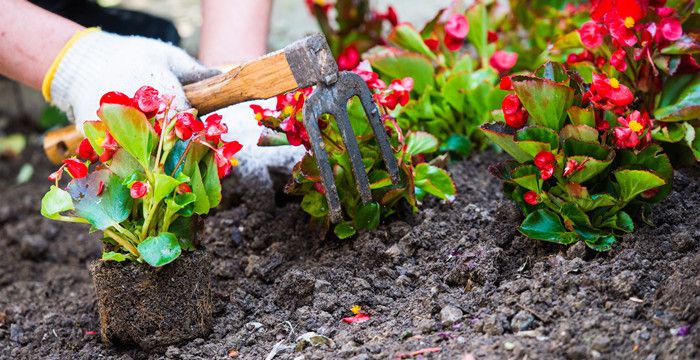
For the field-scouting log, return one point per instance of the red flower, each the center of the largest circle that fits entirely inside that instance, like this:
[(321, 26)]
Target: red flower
[(147, 100), (371, 78), (432, 44), (356, 319), (617, 59), (456, 29), (323, 5), (115, 97), (622, 30), (506, 84), (86, 151), (261, 113), (349, 58), (573, 166), (634, 9), (503, 60), (139, 189), (224, 157), (491, 36), (186, 124), (608, 94), (213, 128), (671, 28), (390, 16), (100, 188), (183, 189), (109, 146), (544, 161), (295, 130), (399, 93), (633, 126), (513, 111), (591, 34), (76, 168), (530, 197)]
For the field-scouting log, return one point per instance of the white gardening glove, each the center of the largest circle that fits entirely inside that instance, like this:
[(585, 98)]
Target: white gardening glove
[(254, 160), (94, 62)]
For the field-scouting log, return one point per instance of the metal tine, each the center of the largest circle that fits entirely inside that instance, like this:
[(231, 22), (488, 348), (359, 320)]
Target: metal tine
[(333, 100)]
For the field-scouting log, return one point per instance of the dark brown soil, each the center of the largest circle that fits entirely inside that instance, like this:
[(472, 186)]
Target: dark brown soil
[(457, 277), (153, 308)]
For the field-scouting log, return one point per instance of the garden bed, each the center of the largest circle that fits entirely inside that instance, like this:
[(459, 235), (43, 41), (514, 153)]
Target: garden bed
[(456, 277)]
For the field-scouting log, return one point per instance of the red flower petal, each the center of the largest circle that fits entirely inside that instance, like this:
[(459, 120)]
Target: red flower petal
[(138, 190), (544, 159), (359, 318), (617, 59), (85, 151), (671, 28), (349, 58), (147, 100), (76, 168), (591, 34), (530, 197), (115, 97), (457, 26), (506, 84), (503, 60)]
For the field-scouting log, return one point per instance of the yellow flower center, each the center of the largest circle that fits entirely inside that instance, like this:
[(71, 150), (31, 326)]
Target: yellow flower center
[(629, 22), (234, 162), (356, 309), (258, 116), (614, 83), (635, 126)]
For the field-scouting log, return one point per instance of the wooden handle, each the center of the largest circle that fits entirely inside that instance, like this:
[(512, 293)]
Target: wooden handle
[(303, 63)]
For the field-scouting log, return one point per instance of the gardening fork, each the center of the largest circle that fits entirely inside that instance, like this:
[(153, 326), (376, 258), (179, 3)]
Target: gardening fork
[(306, 62)]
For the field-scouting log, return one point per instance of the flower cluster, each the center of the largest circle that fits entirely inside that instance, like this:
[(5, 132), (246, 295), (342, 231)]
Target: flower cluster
[(141, 172)]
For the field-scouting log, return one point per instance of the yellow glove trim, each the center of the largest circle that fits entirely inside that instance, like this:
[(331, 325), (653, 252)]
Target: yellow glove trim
[(46, 84)]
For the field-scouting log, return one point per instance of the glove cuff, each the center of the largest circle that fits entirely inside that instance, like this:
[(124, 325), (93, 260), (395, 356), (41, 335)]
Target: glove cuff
[(51, 73)]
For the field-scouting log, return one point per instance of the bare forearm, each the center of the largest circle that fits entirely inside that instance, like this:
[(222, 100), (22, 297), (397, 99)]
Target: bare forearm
[(233, 30)]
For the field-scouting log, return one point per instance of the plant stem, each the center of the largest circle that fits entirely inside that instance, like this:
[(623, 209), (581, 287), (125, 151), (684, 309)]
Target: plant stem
[(184, 155), (147, 223), (72, 219), (129, 235), (125, 244)]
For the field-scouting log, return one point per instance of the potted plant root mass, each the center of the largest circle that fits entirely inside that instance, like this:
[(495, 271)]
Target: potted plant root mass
[(143, 174)]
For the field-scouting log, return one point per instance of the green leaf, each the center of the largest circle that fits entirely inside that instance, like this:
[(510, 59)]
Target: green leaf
[(164, 185), (212, 183), (458, 144), (583, 133), (105, 210), (533, 139), (95, 132), (455, 89), (420, 142), (680, 99), (673, 132), (174, 157), (545, 225), (574, 214), (434, 181), (124, 165), (596, 240), (580, 116), (624, 222), (401, 66), (407, 38), (367, 216), (113, 256), (651, 158), (314, 203), (56, 201), (344, 230), (571, 40), (684, 45), (130, 129), (545, 101), (552, 71), (595, 201), (527, 176), (478, 30), (160, 250), (379, 179), (635, 182), (502, 135), (201, 204)]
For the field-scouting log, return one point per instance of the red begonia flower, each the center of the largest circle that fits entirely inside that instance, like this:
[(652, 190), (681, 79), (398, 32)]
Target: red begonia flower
[(664, 11), (139, 189), (147, 100), (544, 161), (56, 175), (349, 58), (390, 16), (591, 34), (213, 128), (186, 124), (85, 151), (635, 130), (183, 189), (371, 78), (456, 29), (432, 44), (621, 31), (399, 93), (100, 188), (224, 159), (573, 166), (608, 94), (491, 36), (634, 9), (617, 59), (76, 168), (530, 197), (115, 97), (356, 319), (671, 28), (506, 83), (109, 146), (503, 60), (513, 112)]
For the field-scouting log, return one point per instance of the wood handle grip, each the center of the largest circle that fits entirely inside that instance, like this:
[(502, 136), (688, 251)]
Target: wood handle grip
[(303, 63)]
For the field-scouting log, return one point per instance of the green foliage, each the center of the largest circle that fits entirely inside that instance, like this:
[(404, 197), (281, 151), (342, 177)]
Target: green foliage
[(595, 187)]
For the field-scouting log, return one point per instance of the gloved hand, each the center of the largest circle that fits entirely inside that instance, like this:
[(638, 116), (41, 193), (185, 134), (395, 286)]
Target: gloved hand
[(94, 62)]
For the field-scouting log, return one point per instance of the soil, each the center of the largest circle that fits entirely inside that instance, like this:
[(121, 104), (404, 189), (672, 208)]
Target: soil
[(153, 308), (456, 279)]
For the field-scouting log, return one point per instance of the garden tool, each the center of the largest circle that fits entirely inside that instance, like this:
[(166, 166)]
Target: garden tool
[(306, 62)]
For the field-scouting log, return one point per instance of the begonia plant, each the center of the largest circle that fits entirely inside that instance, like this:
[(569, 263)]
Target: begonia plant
[(143, 171), (652, 49), (418, 178), (575, 177)]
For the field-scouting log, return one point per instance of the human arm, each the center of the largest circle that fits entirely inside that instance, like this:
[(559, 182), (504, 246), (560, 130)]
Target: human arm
[(30, 39), (233, 31)]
